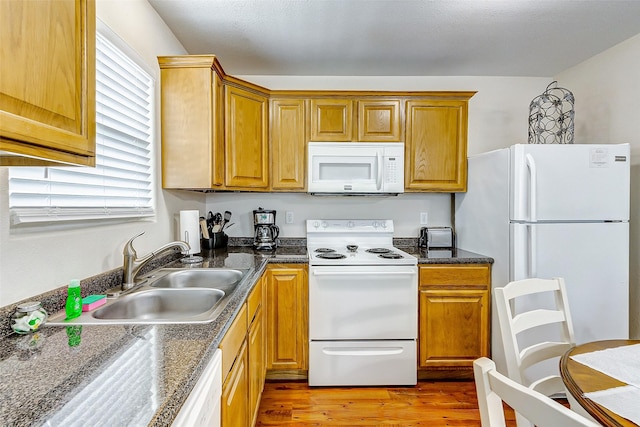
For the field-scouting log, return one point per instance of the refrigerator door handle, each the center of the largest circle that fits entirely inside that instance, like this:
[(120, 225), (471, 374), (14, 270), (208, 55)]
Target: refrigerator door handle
[(533, 248), (533, 174)]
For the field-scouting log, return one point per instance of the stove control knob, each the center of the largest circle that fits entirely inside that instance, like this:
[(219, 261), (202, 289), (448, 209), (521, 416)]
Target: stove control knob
[(376, 224), (352, 248), (383, 224), (350, 224), (324, 224)]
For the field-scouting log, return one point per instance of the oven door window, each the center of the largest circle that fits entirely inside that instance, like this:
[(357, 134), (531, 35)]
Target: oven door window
[(363, 302)]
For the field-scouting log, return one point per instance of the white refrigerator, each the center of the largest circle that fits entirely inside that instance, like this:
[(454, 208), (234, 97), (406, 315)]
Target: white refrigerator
[(554, 211)]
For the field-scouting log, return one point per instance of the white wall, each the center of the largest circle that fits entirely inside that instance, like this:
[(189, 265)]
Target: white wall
[(498, 116), (607, 92), (38, 260)]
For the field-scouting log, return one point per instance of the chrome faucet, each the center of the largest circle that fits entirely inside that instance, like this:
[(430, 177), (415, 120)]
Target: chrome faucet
[(132, 264)]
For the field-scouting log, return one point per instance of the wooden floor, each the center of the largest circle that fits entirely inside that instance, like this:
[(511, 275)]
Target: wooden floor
[(434, 404)]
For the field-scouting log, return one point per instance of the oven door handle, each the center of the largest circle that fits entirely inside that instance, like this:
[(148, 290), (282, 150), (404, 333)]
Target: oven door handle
[(360, 273), (362, 351)]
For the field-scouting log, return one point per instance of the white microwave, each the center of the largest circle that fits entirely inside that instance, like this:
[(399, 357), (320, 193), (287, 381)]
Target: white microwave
[(355, 168)]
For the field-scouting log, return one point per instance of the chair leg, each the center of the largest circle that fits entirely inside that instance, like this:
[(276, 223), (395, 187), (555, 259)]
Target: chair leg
[(521, 421)]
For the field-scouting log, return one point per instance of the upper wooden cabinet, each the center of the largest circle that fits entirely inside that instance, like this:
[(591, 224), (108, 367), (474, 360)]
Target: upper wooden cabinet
[(246, 139), (192, 112), (379, 121), (47, 82), (223, 133), (288, 144), (331, 119), (436, 145)]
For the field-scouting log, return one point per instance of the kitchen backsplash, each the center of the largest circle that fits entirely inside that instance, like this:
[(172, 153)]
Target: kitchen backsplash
[(403, 209)]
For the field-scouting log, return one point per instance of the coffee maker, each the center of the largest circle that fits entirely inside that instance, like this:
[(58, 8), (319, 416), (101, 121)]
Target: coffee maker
[(266, 231)]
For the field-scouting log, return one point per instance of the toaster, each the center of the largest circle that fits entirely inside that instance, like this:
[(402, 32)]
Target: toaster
[(437, 238)]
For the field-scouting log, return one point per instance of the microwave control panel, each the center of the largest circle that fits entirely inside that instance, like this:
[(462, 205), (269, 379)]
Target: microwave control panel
[(391, 167)]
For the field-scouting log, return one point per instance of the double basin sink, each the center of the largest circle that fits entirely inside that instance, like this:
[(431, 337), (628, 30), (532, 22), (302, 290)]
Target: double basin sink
[(166, 296)]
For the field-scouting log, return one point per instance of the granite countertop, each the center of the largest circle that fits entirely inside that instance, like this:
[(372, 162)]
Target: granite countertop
[(134, 375)]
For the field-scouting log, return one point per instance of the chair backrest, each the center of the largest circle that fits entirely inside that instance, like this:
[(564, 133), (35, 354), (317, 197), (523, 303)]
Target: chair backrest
[(493, 388), (519, 356)]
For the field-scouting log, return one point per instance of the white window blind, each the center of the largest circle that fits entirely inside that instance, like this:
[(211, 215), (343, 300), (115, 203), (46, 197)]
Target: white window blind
[(120, 186)]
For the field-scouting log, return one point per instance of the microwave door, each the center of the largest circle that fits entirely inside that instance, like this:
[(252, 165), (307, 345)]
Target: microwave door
[(346, 174)]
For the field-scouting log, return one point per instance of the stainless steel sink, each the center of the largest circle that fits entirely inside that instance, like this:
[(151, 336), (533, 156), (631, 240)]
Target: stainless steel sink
[(162, 305), (196, 278), (167, 295)]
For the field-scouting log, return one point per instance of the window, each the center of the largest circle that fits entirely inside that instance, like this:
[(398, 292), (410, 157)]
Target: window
[(120, 186)]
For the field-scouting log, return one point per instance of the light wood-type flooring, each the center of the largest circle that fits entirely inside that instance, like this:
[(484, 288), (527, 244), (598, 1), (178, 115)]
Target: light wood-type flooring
[(430, 403)]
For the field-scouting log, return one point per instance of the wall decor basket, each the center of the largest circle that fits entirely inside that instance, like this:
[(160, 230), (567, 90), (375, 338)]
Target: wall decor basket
[(551, 116)]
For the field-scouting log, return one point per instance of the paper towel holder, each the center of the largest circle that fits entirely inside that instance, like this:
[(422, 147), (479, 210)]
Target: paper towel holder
[(190, 233), (190, 258)]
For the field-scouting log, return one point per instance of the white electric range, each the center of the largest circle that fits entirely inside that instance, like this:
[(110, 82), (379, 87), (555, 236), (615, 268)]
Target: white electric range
[(363, 305)]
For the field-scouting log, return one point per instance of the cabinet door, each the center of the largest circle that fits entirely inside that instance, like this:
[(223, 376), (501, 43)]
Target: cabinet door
[(436, 145), (453, 327), (454, 323), (235, 408), (287, 318), (246, 145), (288, 144), (192, 123), (256, 343), (47, 82), (379, 121), (331, 120)]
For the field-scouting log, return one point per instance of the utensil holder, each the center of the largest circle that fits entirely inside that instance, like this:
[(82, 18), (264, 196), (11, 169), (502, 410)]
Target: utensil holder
[(215, 241)]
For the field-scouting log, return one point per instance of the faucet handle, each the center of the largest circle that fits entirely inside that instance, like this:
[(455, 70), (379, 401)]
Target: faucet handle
[(128, 247)]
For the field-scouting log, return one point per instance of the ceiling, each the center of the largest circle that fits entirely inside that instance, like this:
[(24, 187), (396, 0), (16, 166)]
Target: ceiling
[(536, 38)]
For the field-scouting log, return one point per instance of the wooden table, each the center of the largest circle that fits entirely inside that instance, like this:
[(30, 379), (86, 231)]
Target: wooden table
[(580, 379)]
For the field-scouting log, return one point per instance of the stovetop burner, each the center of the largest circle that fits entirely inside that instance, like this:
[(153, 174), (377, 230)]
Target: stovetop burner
[(354, 242), (390, 255), (324, 250), (331, 255), (379, 250)]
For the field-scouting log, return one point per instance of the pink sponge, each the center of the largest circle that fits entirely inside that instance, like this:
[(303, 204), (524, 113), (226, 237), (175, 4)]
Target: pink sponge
[(93, 301)]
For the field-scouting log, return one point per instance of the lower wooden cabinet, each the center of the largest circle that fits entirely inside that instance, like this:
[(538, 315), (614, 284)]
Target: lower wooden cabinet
[(287, 321), (257, 351), (243, 363), (454, 318), (235, 392)]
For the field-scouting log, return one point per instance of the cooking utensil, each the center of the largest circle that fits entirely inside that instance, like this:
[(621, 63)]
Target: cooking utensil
[(205, 228), (227, 217)]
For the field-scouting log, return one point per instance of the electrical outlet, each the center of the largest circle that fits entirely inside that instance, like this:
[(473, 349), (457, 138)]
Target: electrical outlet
[(288, 217), (423, 218)]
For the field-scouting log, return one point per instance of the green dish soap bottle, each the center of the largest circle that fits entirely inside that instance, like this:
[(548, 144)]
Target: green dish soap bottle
[(73, 307)]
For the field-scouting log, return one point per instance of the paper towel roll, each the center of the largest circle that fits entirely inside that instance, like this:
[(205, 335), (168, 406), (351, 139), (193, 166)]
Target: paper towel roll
[(190, 229)]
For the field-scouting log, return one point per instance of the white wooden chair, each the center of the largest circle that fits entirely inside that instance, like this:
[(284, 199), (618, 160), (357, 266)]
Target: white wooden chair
[(557, 321), (493, 388)]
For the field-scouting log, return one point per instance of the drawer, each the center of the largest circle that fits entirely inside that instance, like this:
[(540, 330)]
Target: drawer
[(455, 274), (254, 301), (233, 339)]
